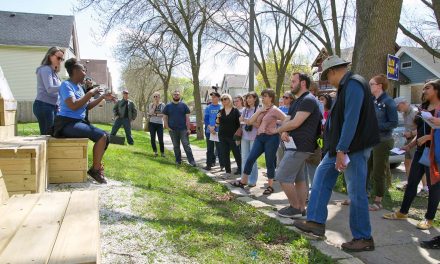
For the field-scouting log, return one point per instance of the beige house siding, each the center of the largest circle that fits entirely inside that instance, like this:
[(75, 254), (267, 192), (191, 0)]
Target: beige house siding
[(19, 65)]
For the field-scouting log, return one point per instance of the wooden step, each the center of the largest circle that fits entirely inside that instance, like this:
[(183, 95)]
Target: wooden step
[(78, 240), (38, 232)]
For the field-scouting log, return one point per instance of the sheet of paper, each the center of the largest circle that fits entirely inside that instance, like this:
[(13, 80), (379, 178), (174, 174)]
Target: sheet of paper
[(426, 116), (398, 151), (214, 137), (291, 144)]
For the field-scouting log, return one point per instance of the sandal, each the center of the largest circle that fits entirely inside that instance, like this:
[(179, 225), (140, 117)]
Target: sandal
[(376, 206), (395, 216), (424, 224), (268, 190), (238, 184)]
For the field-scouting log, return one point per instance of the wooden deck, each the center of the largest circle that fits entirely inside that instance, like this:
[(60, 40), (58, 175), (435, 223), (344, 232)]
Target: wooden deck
[(59, 227)]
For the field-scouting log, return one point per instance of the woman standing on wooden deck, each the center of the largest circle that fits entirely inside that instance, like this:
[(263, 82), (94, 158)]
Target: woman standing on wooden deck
[(48, 83), (70, 119)]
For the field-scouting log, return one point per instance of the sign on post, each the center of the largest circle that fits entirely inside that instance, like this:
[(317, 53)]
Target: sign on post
[(393, 63)]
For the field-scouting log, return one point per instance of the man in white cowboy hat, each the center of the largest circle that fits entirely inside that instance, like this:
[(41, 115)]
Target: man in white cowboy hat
[(350, 132)]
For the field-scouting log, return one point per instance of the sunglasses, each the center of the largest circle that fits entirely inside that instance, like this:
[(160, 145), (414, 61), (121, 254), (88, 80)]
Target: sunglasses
[(225, 99), (286, 97), (60, 58), (155, 96)]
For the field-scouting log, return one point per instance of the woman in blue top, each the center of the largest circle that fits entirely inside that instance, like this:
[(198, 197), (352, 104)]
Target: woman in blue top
[(48, 83), (70, 119)]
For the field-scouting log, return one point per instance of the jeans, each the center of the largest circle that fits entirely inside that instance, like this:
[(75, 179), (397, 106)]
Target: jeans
[(356, 177), (211, 148), (45, 114), (415, 175), (178, 136), (156, 129), (379, 167), (246, 146), (267, 144), (127, 128), (226, 145)]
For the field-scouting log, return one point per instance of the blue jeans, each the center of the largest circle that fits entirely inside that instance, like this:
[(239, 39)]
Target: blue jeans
[(356, 178), (178, 136), (267, 144), (246, 146), (127, 128), (45, 114), (156, 128)]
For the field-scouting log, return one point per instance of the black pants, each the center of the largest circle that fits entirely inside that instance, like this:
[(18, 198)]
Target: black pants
[(414, 178), (156, 129), (211, 148), (227, 144)]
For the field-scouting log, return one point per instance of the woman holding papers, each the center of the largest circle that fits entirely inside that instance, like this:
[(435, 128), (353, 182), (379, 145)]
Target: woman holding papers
[(267, 140), (431, 93)]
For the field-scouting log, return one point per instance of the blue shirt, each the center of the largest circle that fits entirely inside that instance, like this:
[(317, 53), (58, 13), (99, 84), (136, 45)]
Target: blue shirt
[(176, 114), (210, 117), (284, 109), (48, 84), (354, 97), (69, 89)]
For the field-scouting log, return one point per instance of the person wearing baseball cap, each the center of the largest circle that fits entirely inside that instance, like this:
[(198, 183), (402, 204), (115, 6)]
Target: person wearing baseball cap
[(125, 111), (210, 117), (350, 133)]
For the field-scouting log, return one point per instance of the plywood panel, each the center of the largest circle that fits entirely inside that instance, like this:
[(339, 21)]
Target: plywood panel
[(78, 239), (65, 152), (67, 176), (7, 118), (67, 164), (15, 166), (13, 213), (39, 231), (7, 132), (21, 182)]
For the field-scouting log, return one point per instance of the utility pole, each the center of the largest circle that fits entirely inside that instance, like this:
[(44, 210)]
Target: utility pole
[(251, 45)]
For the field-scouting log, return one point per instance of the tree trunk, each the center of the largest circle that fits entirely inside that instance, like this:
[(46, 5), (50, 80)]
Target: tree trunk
[(376, 31), (196, 92)]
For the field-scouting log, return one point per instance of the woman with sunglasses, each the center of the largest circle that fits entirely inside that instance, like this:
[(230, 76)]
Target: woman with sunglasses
[(267, 140), (48, 84), (378, 165), (431, 95), (154, 111), (228, 123), (70, 120)]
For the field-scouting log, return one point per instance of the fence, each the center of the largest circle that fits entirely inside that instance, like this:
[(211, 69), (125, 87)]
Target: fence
[(100, 114)]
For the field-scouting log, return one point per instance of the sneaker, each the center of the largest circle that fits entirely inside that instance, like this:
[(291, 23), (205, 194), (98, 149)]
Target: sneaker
[(431, 244), (289, 212), (310, 227), (424, 224), (97, 175), (162, 155), (358, 245), (423, 193), (395, 216), (155, 154), (222, 168), (208, 168), (193, 164)]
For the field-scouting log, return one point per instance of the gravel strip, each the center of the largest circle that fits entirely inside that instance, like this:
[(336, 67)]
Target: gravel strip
[(126, 236)]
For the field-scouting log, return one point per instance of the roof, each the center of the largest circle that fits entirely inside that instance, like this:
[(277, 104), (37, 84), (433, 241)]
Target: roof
[(346, 54), (28, 29), (423, 57), (234, 80)]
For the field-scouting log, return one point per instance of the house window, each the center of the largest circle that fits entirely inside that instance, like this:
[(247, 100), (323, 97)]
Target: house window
[(406, 64)]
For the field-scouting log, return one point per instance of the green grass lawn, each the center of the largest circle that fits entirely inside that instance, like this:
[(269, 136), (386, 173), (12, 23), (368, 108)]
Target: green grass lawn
[(200, 217)]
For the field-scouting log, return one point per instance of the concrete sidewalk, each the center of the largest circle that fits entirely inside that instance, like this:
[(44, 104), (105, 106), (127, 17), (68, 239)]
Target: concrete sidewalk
[(395, 241)]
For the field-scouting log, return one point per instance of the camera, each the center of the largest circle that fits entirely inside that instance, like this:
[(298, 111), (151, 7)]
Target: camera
[(248, 128)]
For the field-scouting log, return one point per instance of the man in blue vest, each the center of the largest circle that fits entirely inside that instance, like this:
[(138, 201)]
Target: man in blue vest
[(350, 133)]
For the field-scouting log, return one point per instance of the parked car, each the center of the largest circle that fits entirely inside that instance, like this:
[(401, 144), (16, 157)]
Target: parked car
[(193, 124)]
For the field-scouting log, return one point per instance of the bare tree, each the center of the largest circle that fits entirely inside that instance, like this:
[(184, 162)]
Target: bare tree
[(276, 38), (374, 41), (326, 26), (187, 20), (426, 32)]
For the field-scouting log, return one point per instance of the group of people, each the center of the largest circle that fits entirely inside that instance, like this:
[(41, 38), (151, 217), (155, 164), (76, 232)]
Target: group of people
[(356, 125)]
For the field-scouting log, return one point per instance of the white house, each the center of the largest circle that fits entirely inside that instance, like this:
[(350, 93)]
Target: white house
[(234, 84), (25, 39)]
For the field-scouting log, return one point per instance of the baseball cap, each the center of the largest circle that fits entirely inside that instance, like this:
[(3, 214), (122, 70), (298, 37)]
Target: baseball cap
[(125, 91), (399, 100), (215, 94), (329, 63)]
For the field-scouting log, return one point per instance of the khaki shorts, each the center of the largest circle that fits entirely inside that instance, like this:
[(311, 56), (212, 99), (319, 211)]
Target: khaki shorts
[(291, 168)]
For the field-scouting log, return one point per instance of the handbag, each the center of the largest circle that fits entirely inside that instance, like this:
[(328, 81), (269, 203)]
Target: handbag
[(424, 159)]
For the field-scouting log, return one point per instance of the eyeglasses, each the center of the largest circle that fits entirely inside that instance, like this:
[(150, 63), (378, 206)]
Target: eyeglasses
[(286, 97), (225, 99), (155, 96)]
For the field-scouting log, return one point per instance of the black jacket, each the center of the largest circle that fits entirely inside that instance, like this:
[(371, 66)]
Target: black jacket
[(367, 131)]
